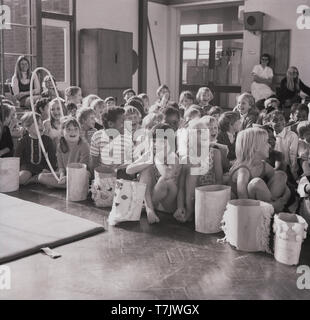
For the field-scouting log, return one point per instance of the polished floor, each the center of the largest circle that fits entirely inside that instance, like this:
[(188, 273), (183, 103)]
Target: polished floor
[(139, 261)]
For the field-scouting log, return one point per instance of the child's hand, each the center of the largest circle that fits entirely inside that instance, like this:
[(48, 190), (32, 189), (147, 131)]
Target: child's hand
[(180, 215), (62, 180)]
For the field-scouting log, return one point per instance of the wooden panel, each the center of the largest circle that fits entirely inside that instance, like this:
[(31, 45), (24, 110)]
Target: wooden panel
[(88, 60), (115, 59), (282, 52)]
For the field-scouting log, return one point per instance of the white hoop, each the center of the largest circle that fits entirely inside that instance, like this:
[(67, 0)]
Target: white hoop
[(35, 119)]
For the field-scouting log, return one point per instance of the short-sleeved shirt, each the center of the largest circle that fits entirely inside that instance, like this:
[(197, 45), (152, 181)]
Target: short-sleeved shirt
[(115, 150)]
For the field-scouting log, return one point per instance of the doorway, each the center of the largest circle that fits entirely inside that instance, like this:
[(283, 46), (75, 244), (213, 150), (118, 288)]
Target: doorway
[(214, 61)]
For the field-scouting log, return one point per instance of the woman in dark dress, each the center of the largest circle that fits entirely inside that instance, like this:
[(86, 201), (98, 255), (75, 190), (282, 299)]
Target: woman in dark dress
[(290, 89), (21, 82)]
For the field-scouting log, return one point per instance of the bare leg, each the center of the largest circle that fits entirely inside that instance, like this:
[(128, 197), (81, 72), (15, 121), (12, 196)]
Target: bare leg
[(277, 184), (258, 190), (49, 180), (165, 192), (147, 177), (24, 177), (190, 186)]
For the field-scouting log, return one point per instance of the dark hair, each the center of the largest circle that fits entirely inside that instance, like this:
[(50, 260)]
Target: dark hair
[(266, 55), (130, 90), (169, 111), (173, 104), (163, 127), (106, 100), (111, 114), (136, 102), (17, 71), (273, 114), (228, 118), (302, 128), (83, 114), (41, 104), (215, 110), (66, 121), (71, 106), (5, 111), (303, 107)]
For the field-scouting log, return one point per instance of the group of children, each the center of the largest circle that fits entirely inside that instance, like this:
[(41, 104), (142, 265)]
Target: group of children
[(259, 153)]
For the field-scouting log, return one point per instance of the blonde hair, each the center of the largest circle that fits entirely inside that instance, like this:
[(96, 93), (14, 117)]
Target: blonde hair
[(86, 102), (249, 98), (292, 84), (201, 92), (94, 103), (248, 142)]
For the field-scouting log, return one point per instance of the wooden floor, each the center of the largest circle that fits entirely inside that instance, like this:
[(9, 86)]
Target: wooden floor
[(138, 261)]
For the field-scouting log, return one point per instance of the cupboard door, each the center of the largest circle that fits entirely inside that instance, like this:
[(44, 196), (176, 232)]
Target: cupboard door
[(114, 59), (88, 61)]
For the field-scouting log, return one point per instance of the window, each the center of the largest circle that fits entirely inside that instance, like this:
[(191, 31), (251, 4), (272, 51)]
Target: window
[(57, 6), (20, 39)]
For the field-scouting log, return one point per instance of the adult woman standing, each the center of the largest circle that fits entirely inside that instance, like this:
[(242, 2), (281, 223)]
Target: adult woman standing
[(21, 82), (262, 79)]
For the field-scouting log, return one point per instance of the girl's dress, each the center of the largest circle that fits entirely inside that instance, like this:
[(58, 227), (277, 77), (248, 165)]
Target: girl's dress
[(31, 156), (6, 141)]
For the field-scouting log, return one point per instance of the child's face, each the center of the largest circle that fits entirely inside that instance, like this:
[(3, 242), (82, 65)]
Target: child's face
[(243, 105), (111, 103), (187, 102), (77, 98), (236, 127), (72, 133), (164, 93), (134, 119), (205, 97), (173, 120), (118, 124), (90, 122), (99, 110), (72, 113), (128, 95), (213, 128), (307, 136), (56, 111), (32, 129), (300, 115), (278, 123)]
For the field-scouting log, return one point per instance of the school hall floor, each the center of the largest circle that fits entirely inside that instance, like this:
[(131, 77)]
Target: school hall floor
[(139, 261)]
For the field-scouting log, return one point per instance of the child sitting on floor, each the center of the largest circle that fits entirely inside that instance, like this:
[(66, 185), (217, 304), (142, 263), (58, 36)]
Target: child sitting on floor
[(74, 95), (71, 149), (303, 151), (172, 117), (110, 102), (133, 119), (215, 112), (251, 177), (246, 108), (111, 147), (186, 100), (162, 178), (229, 126), (87, 120), (203, 97), (52, 126), (98, 106), (200, 167), (72, 109), (42, 108), (300, 113), (6, 141), (32, 160)]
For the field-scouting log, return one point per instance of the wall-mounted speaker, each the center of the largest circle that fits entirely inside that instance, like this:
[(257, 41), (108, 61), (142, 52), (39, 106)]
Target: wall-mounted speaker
[(254, 21)]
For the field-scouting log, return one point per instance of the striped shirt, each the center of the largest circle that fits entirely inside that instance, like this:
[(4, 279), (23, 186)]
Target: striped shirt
[(111, 150)]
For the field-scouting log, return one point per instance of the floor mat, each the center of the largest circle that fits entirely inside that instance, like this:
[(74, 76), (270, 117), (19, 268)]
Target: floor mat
[(26, 227)]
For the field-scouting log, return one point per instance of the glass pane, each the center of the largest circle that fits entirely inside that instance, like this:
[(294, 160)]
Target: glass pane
[(189, 29), (20, 11), (54, 51), (228, 58), (210, 28), (16, 40), (195, 65), (57, 6)]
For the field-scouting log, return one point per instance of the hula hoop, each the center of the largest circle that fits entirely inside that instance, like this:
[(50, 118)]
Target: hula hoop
[(35, 119)]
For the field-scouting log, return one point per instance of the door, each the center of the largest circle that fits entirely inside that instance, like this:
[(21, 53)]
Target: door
[(215, 62), (56, 50)]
